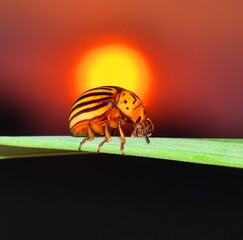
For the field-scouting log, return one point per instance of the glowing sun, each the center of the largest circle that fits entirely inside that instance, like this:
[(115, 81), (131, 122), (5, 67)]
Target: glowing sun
[(114, 65)]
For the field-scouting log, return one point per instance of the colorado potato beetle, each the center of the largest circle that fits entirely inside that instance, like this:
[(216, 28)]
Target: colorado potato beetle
[(99, 110)]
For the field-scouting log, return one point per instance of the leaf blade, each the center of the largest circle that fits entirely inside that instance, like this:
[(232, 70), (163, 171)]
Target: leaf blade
[(222, 152)]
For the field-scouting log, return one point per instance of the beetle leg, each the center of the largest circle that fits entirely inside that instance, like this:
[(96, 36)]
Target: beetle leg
[(147, 139), (123, 139), (107, 137), (135, 131), (90, 136)]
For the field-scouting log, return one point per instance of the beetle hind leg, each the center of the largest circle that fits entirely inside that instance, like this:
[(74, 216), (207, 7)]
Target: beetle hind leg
[(90, 136), (107, 137)]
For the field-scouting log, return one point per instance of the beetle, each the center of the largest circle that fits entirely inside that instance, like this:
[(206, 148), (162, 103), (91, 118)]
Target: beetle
[(99, 110)]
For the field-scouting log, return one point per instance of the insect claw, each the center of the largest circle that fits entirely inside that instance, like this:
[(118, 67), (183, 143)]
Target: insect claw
[(81, 143), (147, 139)]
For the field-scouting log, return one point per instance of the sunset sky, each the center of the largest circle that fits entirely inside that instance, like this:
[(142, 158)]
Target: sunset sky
[(192, 51)]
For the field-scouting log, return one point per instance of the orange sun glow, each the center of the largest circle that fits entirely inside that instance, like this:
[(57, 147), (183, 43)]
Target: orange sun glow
[(114, 65)]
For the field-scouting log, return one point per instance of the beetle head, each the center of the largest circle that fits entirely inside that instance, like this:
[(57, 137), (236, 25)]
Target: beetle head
[(143, 129)]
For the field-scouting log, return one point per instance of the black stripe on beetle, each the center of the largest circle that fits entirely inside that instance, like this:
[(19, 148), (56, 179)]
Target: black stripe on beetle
[(93, 94), (91, 102), (89, 110)]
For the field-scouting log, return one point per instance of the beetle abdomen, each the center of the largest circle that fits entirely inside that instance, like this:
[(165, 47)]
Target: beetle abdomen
[(93, 105)]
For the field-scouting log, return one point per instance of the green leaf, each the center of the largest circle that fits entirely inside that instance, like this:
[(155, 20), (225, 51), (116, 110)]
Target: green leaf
[(222, 152)]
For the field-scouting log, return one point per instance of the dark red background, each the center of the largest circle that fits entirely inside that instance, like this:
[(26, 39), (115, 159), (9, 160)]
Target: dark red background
[(194, 49)]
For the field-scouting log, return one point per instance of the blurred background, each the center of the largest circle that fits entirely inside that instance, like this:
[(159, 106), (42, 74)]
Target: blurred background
[(185, 58)]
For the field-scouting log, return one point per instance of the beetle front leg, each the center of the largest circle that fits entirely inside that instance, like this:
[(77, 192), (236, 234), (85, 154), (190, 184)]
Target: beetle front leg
[(136, 130), (90, 136)]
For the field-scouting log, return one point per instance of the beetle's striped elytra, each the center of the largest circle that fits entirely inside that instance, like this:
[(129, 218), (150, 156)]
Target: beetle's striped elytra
[(101, 109)]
